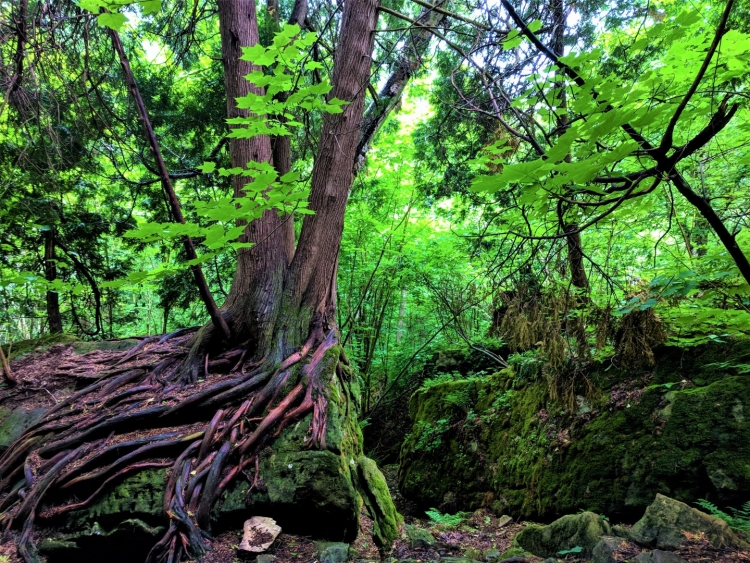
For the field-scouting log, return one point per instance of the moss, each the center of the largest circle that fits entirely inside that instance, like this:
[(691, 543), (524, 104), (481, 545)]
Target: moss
[(37, 345), (14, 422), (378, 500), (516, 451), (140, 496), (108, 345), (574, 530)]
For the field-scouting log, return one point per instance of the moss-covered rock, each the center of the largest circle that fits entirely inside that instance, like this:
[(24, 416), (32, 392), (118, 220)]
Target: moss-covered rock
[(666, 520), (379, 503), (105, 345), (682, 430), (22, 348), (569, 532), (14, 422)]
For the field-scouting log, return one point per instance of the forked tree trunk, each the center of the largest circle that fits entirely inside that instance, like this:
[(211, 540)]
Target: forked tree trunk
[(279, 293)]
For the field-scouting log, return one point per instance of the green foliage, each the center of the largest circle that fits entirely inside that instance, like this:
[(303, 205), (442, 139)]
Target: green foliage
[(738, 520), (446, 521), (572, 551)]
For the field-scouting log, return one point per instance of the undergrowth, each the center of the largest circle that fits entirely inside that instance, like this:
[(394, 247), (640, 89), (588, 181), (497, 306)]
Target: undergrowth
[(738, 520), (446, 521)]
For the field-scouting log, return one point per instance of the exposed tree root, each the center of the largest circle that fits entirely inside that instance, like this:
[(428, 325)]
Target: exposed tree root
[(140, 413)]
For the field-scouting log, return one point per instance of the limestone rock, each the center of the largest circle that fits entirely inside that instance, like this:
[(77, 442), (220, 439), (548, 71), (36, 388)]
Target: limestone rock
[(575, 530), (657, 556), (685, 442), (14, 422), (419, 537), (604, 551), (258, 534), (378, 500), (332, 552), (666, 520), (504, 520)]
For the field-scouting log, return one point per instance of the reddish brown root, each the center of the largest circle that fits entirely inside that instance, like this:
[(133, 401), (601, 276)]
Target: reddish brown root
[(95, 427)]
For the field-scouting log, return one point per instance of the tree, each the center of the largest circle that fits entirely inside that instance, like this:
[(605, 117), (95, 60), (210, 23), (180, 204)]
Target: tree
[(281, 310)]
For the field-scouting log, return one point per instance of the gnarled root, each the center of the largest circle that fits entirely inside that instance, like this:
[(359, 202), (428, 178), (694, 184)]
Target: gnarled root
[(213, 429)]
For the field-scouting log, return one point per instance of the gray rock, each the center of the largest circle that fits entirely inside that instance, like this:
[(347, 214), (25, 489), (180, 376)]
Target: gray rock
[(419, 537), (666, 520), (265, 558), (332, 552), (259, 533), (657, 556), (504, 520), (15, 422), (575, 530), (604, 551)]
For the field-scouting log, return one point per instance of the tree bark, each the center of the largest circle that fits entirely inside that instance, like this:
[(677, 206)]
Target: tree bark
[(578, 275), (54, 318), (309, 293), (255, 295)]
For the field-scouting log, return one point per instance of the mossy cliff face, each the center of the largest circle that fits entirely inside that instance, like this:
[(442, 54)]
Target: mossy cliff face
[(309, 491), (682, 430)]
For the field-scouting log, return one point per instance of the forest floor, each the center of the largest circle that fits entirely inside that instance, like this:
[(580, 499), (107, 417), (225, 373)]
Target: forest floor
[(48, 380), (480, 532)]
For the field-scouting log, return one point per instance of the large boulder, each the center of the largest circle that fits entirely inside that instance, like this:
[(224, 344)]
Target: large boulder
[(681, 429), (573, 531), (666, 520)]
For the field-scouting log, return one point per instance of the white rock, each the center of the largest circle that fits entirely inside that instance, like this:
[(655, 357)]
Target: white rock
[(259, 533)]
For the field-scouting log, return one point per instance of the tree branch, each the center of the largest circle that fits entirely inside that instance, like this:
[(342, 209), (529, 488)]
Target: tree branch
[(213, 311)]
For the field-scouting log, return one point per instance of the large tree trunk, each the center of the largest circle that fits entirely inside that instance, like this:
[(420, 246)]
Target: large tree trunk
[(254, 298)]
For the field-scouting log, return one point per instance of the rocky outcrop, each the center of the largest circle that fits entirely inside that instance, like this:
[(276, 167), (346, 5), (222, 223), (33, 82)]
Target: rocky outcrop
[(680, 429)]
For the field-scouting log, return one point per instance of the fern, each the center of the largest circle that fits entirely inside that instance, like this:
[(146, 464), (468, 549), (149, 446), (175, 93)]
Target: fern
[(446, 521), (738, 520)]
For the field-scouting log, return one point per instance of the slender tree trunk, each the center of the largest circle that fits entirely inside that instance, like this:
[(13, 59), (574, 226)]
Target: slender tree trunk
[(578, 275), (50, 273), (200, 280)]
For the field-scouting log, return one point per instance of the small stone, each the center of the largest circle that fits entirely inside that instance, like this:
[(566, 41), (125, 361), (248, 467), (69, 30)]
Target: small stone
[(419, 537), (259, 533), (332, 552), (492, 554), (265, 558), (582, 530), (503, 521)]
